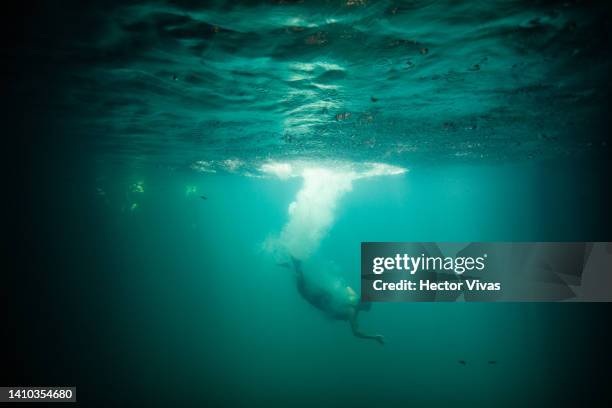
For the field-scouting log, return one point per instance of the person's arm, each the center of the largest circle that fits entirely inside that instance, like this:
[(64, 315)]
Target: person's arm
[(358, 333)]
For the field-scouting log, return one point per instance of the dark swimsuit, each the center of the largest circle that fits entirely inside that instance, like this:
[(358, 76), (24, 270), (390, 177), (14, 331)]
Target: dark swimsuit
[(319, 298)]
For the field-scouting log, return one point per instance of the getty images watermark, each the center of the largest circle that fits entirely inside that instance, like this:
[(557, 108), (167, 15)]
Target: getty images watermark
[(476, 271)]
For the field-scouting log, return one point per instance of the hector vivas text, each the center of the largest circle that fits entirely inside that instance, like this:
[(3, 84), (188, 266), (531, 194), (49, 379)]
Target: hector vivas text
[(413, 264)]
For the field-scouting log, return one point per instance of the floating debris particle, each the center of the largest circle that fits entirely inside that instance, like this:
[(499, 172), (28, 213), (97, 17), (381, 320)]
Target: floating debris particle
[(316, 39), (343, 116)]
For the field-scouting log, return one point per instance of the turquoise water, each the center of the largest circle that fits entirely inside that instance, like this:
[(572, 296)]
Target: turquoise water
[(200, 305), (172, 83), (308, 127)]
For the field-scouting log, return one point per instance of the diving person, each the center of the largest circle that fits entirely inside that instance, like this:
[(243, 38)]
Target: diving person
[(337, 300)]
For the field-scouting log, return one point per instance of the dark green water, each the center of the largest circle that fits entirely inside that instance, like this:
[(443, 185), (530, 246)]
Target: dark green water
[(382, 121)]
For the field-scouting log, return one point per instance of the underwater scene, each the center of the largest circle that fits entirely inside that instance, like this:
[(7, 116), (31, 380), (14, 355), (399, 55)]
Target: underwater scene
[(191, 183)]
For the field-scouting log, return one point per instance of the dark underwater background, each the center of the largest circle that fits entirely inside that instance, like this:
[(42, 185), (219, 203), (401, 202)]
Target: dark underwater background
[(434, 121)]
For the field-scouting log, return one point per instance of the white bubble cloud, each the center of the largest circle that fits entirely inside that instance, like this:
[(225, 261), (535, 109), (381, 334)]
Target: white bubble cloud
[(312, 213), (280, 170)]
